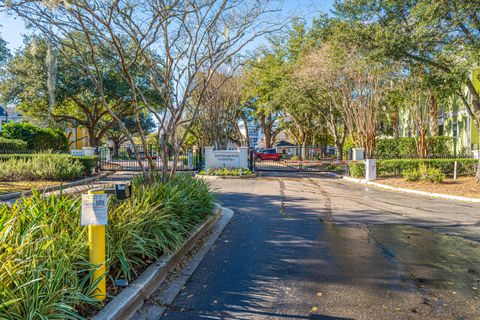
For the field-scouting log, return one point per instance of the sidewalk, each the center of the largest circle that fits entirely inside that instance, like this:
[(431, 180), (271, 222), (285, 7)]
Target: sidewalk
[(113, 178)]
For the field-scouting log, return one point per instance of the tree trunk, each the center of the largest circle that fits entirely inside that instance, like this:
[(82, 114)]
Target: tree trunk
[(91, 137), (247, 135), (433, 115), (395, 124), (268, 137), (339, 146)]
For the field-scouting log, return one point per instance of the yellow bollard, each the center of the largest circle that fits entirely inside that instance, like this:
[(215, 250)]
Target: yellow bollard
[(97, 256)]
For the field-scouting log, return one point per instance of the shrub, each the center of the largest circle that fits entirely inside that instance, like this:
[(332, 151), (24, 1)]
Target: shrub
[(446, 166), (90, 163), (44, 261), (56, 167), (424, 173), (430, 174), (411, 175), (390, 148), (395, 148), (16, 167), (440, 146), (37, 138), (12, 144), (357, 169), (396, 167)]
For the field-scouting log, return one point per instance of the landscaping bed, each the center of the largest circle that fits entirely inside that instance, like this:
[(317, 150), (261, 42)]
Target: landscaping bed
[(463, 186), (389, 168), (227, 173), (44, 251)]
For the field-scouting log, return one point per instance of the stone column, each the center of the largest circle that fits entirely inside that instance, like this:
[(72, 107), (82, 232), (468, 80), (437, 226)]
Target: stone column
[(209, 158), (243, 157), (476, 154), (371, 169)]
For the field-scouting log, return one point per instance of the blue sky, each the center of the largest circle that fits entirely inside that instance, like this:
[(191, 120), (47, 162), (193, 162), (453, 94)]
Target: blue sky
[(11, 29)]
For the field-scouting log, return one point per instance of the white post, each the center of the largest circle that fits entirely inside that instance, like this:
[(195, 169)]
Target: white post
[(455, 170), (209, 158), (190, 159), (371, 169), (243, 160), (476, 154)]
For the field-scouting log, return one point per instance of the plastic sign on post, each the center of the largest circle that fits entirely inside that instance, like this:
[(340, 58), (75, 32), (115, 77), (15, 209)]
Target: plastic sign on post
[(94, 209), (95, 216)]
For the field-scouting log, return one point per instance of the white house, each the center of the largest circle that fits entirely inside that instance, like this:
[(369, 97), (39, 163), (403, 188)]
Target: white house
[(255, 133)]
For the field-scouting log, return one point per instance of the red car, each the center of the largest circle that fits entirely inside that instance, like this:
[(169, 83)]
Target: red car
[(267, 154)]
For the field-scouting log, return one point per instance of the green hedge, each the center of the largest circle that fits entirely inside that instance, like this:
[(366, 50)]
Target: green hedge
[(12, 144), (89, 163), (357, 169), (37, 138), (390, 148), (396, 167)]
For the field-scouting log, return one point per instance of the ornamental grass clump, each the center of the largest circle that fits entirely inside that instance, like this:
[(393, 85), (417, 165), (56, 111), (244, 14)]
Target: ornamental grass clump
[(44, 268), (424, 173), (41, 166)]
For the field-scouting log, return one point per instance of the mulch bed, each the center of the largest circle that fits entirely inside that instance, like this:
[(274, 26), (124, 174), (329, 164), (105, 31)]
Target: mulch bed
[(463, 186)]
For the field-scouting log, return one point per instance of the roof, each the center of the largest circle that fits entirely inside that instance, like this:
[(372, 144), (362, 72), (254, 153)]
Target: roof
[(283, 143)]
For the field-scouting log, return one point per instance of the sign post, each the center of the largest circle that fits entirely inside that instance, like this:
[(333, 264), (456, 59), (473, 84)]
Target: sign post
[(94, 215)]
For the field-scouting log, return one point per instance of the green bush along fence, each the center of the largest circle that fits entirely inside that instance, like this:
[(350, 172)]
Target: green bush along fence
[(44, 251), (400, 148), (12, 144), (396, 167), (35, 137), (16, 167)]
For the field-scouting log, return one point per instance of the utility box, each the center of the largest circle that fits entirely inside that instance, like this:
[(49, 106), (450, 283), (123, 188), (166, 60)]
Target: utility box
[(358, 154), (123, 191)]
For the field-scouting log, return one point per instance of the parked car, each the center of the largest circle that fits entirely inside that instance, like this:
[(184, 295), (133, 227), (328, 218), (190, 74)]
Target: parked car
[(267, 154)]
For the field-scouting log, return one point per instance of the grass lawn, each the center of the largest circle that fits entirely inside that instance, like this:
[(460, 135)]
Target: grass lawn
[(18, 186), (463, 186)]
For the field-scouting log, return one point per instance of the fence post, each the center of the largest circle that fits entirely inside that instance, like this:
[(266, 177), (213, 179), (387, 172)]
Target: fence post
[(455, 170), (250, 160)]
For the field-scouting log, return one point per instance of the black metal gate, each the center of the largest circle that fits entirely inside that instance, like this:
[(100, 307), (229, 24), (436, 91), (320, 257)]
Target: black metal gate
[(124, 159), (297, 159)]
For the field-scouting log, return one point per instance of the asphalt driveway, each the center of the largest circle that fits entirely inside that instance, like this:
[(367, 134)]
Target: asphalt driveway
[(313, 247)]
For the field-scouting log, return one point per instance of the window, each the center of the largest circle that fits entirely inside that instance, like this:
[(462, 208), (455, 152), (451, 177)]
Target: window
[(455, 129)]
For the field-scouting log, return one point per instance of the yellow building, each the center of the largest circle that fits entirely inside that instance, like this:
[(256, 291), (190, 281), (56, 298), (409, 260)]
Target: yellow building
[(78, 138)]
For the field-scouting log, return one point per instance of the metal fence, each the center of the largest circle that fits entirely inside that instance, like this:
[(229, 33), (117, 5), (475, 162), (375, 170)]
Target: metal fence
[(125, 159), (298, 159)]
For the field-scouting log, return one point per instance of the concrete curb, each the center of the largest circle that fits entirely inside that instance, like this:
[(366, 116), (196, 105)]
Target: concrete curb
[(246, 176), (157, 304), (422, 193), (124, 305), (10, 196)]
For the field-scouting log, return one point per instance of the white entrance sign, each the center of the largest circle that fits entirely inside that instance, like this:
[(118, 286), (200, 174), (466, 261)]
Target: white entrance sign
[(94, 209), (226, 158), (77, 153)]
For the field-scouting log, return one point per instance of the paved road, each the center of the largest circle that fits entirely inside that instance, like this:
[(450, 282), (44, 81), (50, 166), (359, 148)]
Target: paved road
[(312, 247)]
